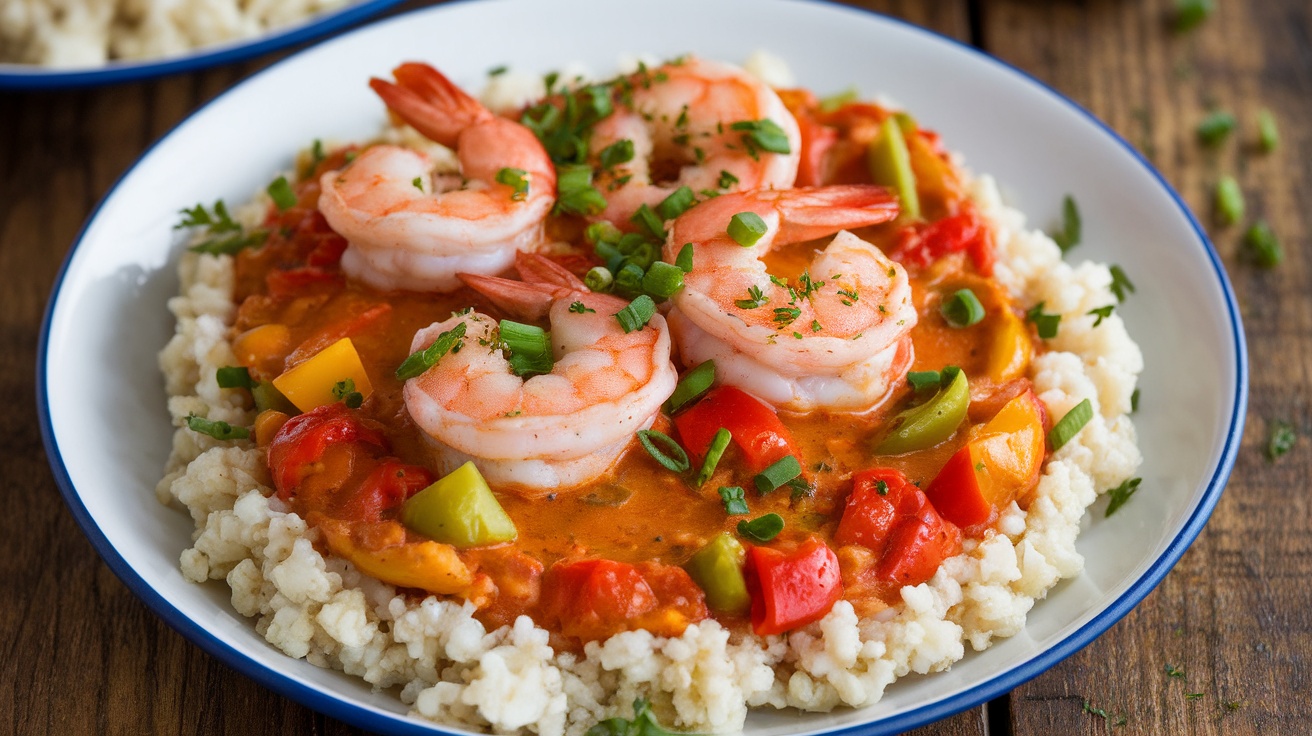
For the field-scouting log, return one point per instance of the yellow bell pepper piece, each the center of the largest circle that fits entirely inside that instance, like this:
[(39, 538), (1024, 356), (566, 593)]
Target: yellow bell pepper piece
[(1010, 350), (310, 384)]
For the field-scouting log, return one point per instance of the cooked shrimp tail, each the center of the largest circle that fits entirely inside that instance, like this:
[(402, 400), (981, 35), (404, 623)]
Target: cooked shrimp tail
[(430, 103)]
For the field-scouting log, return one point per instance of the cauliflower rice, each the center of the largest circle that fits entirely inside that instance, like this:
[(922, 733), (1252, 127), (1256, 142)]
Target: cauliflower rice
[(83, 33), (448, 669)]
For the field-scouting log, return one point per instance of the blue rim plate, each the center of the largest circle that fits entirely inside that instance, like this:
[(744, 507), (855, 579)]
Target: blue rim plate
[(28, 76), (107, 433)]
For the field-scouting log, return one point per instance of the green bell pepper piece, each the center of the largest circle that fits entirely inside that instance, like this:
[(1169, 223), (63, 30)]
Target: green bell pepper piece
[(460, 510), (718, 568), (931, 422), (889, 162)]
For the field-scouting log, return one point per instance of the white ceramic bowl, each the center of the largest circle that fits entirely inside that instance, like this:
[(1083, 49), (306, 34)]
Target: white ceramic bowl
[(102, 401)]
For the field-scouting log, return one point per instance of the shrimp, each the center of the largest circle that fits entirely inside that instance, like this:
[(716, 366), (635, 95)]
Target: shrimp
[(834, 338), (546, 432), (681, 121), (409, 228)]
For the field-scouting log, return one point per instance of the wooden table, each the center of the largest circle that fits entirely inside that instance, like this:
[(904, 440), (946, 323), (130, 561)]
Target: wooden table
[(82, 655)]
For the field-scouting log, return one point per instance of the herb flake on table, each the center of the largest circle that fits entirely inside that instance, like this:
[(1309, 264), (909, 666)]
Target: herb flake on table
[(1280, 439)]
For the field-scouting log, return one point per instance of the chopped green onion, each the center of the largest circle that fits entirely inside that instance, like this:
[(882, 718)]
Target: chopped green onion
[(693, 384), (1134, 401), (746, 228), (1070, 425), (1268, 137), (1189, 13), (780, 472), (719, 443), (962, 309), (735, 500), (1280, 440), (648, 221), (662, 280), (677, 203), (1215, 127), (949, 374), (516, 179), (765, 135), (497, 71), (629, 278), (216, 429), (636, 314), (684, 259), (281, 193), (580, 308), (921, 380), (1069, 235), (234, 376), (529, 346), (1229, 201), (1262, 245), (726, 180), (575, 194), (422, 360), (619, 152), (317, 156), (762, 528), (669, 454), (602, 231), (345, 390), (1101, 313), (598, 278), (1046, 323), (1120, 283)]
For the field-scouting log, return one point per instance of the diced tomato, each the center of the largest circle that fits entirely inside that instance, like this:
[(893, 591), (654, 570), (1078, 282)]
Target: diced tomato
[(593, 599), (789, 590), (817, 142), (303, 440), (755, 427), (391, 483), (335, 331), (890, 516), (923, 243), (289, 282)]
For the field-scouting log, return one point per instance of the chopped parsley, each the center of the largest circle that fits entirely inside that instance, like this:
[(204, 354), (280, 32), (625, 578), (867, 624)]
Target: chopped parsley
[(1119, 495), (1101, 313), (755, 298), (346, 393), (726, 180), (224, 235), (1069, 235), (643, 724), (1045, 323), (580, 308), (784, 316)]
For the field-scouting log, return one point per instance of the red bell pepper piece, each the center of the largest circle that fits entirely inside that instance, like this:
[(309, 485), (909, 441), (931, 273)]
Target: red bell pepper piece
[(817, 142), (898, 524), (303, 439), (755, 427), (791, 590), (391, 483), (593, 599), (924, 243)]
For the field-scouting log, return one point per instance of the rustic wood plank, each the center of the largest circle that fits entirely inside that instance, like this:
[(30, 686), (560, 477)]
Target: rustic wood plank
[(1233, 615)]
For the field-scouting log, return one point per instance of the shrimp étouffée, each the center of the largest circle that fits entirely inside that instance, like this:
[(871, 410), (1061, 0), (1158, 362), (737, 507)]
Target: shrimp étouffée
[(410, 228), (836, 337), (546, 432)]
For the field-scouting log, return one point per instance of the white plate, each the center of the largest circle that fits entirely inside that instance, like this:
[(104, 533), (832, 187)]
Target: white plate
[(30, 76), (102, 400)]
